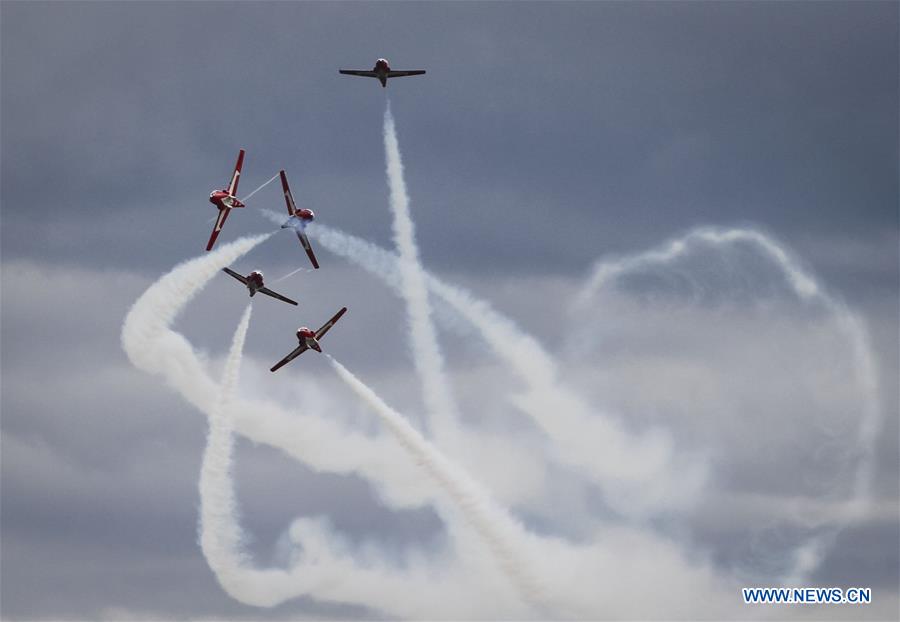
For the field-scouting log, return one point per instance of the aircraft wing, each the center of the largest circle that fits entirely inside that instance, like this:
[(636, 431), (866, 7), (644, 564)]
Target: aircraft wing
[(290, 357), (220, 222), (400, 74), (231, 272), (327, 326), (269, 292), (288, 197), (236, 175), (354, 72), (304, 241)]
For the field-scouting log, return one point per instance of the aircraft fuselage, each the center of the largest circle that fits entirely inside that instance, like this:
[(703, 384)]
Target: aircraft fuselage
[(222, 200), (308, 337), (255, 282), (299, 220), (381, 70)]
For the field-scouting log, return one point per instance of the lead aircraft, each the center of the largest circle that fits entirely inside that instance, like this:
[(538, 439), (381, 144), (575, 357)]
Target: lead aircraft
[(382, 70), (254, 282), (309, 340), (226, 200)]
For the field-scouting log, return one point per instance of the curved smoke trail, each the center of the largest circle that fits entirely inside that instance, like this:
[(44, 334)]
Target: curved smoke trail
[(507, 538), (808, 556), (324, 569), (152, 346), (149, 318)]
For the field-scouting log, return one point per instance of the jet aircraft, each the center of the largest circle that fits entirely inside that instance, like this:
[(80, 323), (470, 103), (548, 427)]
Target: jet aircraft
[(382, 70), (254, 283), (309, 340), (298, 220), (225, 200)]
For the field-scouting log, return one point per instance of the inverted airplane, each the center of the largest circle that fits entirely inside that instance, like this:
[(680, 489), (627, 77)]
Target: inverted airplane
[(309, 340), (225, 200), (382, 70), (299, 220), (254, 282)]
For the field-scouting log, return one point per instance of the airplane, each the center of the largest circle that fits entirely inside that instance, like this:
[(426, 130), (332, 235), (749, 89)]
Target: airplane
[(226, 200), (309, 340), (254, 282), (298, 220), (382, 70)]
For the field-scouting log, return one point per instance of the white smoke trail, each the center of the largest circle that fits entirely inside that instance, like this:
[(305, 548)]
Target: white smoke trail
[(506, 537), (220, 535), (807, 289), (156, 309), (324, 570), (427, 356)]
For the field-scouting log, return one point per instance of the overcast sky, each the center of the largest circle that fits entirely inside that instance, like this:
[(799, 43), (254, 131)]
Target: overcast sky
[(544, 138)]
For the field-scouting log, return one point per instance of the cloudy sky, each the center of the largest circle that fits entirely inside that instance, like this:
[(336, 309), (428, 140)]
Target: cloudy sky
[(686, 212)]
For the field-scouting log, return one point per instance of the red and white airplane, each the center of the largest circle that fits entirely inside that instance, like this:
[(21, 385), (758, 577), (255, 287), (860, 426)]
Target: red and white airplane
[(299, 220), (309, 340), (382, 70), (254, 282), (226, 200)]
